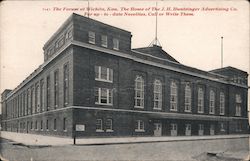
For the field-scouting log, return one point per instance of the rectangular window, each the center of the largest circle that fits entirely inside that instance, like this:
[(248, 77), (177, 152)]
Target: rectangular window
[(54, 124), (56, 88), (64, 124), (212, 102), (37, 98), (222, 103), (47, 124), (103, 74), (31, 125), (41, 124), (48, 93), (115, 44), (33, 100), (103, 96), (36, 125), (238, 102), (42, 95), (91, 37), (104, 41), (99, 126), (200, 100), (109, 125), (173, 96), (188, 98), (66, 84), (139, 126)]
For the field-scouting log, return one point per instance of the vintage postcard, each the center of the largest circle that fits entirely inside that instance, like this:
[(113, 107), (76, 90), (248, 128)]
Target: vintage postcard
[(124, 80)]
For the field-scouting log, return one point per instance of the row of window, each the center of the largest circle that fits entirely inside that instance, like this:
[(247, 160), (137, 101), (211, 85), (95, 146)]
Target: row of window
[(43, 125), (140, 127), (105, 96), (34, 98), (104, 40), (139, 97), (58, 43)]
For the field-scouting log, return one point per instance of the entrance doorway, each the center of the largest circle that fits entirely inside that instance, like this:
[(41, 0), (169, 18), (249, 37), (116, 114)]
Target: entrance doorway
[(157, 129), (201, 129), (188, 130), (211, 129), (173, 130)]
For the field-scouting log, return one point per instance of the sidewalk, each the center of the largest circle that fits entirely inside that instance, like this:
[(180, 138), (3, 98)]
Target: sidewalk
[(42, 140)]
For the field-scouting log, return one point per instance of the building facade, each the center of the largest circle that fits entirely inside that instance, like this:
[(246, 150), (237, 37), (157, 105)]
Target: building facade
[(93, 84)]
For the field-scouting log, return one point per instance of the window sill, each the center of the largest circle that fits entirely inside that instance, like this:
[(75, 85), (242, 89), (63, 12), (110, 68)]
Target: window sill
[(174, 110), (200, 112), (189, 111), (157, 109), (139, 130), (91, 42), (64, 130), (211, 113), (109, 130), (103, 104), (99, 131), (103, 80), (116, 48), (141, 107), (104, 46)]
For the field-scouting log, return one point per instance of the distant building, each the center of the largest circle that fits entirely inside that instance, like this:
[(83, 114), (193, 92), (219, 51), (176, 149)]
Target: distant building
[(92, 78)]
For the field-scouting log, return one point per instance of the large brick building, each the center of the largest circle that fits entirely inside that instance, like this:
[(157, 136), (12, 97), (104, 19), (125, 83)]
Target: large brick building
[(93, 79)]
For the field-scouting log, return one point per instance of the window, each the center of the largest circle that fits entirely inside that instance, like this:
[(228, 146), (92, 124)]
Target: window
[(157, 94), (103, 96), (99, 127), (66, 84), (222, 127), (173, 96), (201, 127), (139, 92), (211, 102), (139, 126), (200, 100), (187, 98), (42, 96), (54, 124), (109, 125), (41, 124), (115, 44), (103, 74), (91, 37), (31, 125), (48, 93), (222, 103), (36, 125), (104, 41), (47, 124), (33, 100), (56, 88), (37, 98), (238, 102), (64, 124)]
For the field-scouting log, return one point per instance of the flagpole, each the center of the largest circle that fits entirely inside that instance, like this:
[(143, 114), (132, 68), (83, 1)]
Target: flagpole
[(222, 52)]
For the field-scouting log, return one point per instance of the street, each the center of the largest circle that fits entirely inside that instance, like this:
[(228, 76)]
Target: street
[(143, 151)]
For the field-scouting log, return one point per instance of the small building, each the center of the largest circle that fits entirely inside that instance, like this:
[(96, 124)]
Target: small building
[(92, 83)]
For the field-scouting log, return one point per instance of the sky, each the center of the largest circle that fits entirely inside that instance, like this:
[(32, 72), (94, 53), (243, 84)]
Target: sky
[(193, 37)]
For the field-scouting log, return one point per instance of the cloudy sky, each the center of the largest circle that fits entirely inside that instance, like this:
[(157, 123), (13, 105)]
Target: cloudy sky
[(193, 40)]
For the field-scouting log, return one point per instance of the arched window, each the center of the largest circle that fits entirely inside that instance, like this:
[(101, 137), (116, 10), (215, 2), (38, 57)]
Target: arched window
[(211, 102), (173, 96), (139, 92), (187, 98), (200, 100), (222, 103), (157, 94)]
